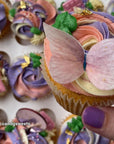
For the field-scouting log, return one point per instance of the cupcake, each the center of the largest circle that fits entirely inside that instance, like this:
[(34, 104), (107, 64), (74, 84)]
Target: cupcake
[(69, 5), (4, 23), (4, 65), (29, 126), (72, 131), (27, 17), (26, 79), (82, 39)]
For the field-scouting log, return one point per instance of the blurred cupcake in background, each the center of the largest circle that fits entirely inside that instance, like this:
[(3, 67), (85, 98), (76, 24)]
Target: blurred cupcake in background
[(29, 127), (4, 66), (73, 132), (27, 17), (26, 79), (4, 22)]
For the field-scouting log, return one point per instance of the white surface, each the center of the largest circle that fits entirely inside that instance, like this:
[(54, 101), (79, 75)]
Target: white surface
[(9, 103)]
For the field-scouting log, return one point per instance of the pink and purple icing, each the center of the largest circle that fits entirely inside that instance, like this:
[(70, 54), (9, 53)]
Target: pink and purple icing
[(27, 81)]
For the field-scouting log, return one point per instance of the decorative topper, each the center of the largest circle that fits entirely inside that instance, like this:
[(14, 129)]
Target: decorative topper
[(68, 54), (89, 5), (35, 59), (26, 63), (43, 133), (35, 30), (86, 12), (9, 128), (65, 22), (76, 125), (12, 12)]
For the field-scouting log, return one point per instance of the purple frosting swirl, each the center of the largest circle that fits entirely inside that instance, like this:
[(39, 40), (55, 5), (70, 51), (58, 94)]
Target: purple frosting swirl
[(3, 19), (15, 70), (103, 28)]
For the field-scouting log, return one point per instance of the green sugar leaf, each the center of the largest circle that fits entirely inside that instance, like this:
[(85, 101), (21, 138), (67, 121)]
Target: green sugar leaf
[(12, 12), (89, 5), (65, 22), (61, 7), (35, 60), (43, 133), (76, 124), (35, 30), (112, 13), (9, 128)]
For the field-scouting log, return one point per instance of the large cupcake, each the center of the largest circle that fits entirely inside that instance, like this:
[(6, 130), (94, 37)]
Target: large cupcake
[(79, 68), (4, 23), (29, 127), (26, 79), (27, 17), (73, 132)]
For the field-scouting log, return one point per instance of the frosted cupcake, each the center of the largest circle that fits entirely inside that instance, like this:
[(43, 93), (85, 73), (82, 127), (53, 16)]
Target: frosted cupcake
[(4, 23), (33, 127), (26, 79), (27, 17), (69, 5), (72, 131), (4, 65), (77, 85)]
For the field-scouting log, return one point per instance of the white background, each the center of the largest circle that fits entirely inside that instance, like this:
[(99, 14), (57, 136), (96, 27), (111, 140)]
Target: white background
[(9, 103)]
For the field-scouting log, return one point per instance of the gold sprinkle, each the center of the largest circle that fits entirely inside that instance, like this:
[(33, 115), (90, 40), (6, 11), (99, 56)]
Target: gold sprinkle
[(22, 5), (69, 132), (86, 12), (68, 141)]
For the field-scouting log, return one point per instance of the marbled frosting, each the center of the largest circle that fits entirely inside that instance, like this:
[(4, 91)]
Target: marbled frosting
[(27, 81), (4, 23), (27, 19)]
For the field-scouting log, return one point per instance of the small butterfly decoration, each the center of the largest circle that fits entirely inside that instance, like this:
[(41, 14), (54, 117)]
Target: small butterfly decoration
[(69, 58)]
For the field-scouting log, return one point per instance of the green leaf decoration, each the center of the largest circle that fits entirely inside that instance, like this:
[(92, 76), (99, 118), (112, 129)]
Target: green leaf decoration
[(76, 125), (35, 59), (112, 13), (9, 128), (12, 12), (35, 30), (61, 7), (43, 133), (89, 5), (65, 22)]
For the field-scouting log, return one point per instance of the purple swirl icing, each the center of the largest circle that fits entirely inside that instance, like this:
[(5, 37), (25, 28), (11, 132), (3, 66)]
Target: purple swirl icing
[(37, 9), (38, 139), (103, 28), (106, 15), (3, 19), (15, 70)]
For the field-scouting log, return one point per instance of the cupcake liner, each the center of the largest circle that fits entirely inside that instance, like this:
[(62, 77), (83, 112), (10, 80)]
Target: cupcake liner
[(6, 29), (71, 101)]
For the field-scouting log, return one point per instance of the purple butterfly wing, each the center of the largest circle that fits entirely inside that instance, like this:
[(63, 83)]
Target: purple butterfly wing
[(66, 64), (100, 64)]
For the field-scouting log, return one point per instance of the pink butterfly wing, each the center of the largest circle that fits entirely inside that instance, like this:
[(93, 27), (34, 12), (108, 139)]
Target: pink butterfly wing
[(66, 63), (100, 64)]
